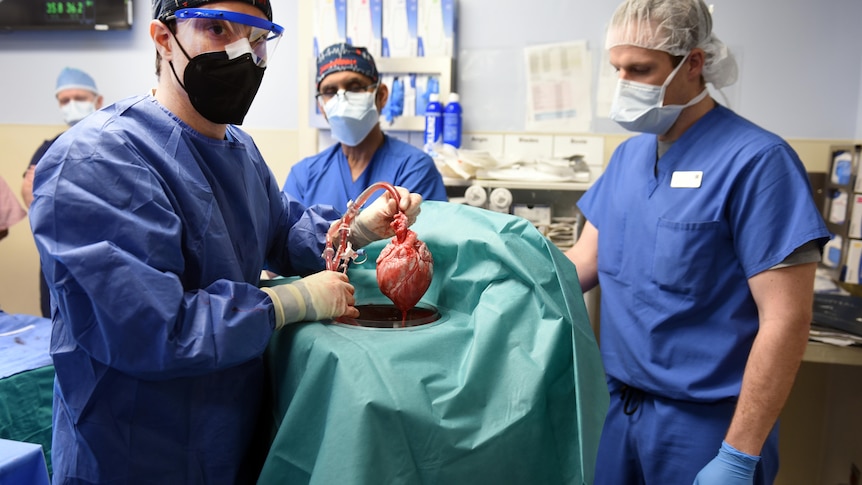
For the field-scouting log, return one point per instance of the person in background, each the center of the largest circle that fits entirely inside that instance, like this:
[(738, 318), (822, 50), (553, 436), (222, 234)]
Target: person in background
[(154, 218), (78, 97), (351, 97), (704, 238), (11, 211)]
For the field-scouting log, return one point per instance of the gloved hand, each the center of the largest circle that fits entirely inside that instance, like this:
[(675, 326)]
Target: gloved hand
[(373, 222), (730, 467), (327, 294)]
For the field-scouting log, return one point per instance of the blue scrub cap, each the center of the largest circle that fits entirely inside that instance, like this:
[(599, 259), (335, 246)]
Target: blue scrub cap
[(71, 78), (345, 57), (164, 8)]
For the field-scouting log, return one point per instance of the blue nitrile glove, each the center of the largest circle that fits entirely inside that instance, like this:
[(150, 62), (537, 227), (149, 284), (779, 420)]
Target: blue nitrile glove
[(395, 105), (730, 467)]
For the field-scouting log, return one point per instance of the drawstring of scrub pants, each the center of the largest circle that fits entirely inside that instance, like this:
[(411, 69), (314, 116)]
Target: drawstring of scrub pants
[(632, 398)]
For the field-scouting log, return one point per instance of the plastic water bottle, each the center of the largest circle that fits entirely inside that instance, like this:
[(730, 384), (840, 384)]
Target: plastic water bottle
[(452, 121), (433, 120)]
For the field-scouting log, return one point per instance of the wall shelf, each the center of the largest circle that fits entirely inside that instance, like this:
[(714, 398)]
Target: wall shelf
[(837, 218), (518, 184), (818, 352)]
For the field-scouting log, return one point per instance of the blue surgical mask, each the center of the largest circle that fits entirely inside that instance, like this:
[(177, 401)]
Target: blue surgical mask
[(351, 116), (639, 106)]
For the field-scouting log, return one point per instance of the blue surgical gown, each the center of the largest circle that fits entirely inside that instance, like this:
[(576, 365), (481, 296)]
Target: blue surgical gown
[(152, 239), (325, 178), (675, 253)]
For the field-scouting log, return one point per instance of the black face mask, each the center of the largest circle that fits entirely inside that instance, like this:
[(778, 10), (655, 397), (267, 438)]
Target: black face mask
[(221, 89)]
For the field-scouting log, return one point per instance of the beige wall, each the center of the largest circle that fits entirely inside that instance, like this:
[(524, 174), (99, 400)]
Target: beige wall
[(19, 262)]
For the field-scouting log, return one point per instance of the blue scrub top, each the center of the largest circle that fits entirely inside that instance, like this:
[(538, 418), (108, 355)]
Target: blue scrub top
[(325, 178), (152, 238), (677, 316)]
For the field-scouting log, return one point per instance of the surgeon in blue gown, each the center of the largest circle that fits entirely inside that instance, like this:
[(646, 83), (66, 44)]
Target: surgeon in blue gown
[(704, 238), (154, 219)]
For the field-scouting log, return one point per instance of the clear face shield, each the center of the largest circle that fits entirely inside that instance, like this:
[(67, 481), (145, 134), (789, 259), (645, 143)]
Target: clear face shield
[(233, 32)]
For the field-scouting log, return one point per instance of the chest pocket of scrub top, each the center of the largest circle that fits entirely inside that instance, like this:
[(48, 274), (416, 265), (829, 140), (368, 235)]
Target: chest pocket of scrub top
[(684, 259), (611, 246)]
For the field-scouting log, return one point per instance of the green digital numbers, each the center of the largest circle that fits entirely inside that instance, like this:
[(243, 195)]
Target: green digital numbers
[(67, 9)]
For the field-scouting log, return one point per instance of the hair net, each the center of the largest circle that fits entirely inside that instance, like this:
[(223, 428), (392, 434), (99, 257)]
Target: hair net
[(71, 78), (675, 27), (163, 8)]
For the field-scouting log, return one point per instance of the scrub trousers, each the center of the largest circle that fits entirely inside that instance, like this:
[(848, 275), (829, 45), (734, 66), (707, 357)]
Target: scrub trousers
[(651, 440)]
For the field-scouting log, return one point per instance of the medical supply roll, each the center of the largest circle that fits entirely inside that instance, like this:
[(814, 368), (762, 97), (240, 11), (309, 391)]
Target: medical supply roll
[(476, 196), (506, 387), (500, 200)]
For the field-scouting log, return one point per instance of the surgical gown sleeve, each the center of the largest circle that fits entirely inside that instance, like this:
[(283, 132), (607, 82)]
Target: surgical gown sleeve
[(153, 245)]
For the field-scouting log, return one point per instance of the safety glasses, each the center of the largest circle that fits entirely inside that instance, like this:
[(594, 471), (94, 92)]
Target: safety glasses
[(217, 29), (354, 94)]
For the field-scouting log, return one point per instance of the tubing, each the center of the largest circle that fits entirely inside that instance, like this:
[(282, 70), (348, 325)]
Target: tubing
[(337, 260)]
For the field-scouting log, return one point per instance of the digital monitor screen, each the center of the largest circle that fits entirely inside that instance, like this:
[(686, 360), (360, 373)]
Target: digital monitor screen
[(65, 15)]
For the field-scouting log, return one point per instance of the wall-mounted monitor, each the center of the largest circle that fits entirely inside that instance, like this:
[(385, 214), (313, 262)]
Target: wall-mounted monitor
[(65, 15)]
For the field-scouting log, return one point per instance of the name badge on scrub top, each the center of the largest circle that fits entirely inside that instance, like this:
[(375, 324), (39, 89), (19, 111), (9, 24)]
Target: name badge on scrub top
[(686, 180)]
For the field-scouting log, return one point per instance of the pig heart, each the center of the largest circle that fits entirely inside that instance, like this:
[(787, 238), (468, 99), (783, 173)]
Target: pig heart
[(405, 267)]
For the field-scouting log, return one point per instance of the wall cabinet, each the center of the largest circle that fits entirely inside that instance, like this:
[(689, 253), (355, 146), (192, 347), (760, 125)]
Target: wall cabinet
[(842, 211)]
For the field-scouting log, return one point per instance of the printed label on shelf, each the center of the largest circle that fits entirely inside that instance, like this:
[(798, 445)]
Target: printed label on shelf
[(855, 229), (838, 207), (851, 266)]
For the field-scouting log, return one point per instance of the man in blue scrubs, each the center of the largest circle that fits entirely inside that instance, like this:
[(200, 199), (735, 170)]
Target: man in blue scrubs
[(154, 218), (351, 96), (704, 238)]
